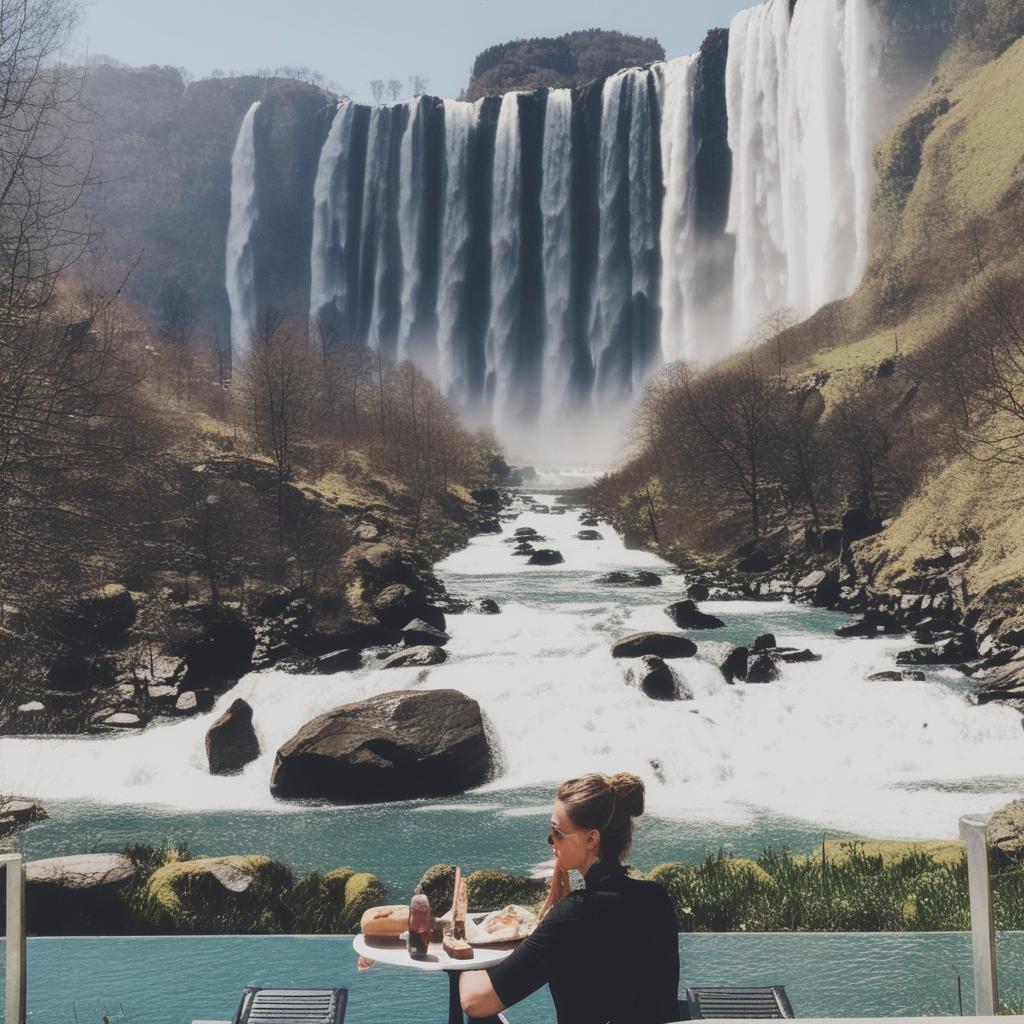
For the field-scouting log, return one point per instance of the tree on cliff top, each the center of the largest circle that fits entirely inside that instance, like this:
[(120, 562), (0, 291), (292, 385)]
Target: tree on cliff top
[(561, 62)]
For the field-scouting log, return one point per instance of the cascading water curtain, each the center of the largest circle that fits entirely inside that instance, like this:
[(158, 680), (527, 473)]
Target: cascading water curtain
[(240, 279), (804, 104)]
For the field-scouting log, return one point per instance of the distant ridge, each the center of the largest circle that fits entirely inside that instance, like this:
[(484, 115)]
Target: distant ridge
[(561, 62)]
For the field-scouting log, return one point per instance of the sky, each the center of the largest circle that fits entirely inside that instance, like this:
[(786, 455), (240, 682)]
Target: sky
[(350, 43)]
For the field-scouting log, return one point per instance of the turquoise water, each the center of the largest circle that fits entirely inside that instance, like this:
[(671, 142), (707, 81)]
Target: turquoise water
[(399, 841), (176, 980)]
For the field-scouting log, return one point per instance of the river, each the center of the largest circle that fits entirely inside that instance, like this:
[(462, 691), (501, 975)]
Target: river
[(819, 751)]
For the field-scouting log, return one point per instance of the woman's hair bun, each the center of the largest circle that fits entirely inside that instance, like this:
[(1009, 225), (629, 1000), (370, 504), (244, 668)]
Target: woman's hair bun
[(629, 793)]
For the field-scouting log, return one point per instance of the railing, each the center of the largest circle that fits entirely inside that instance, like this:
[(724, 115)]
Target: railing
[(973, 831), (14, 989)]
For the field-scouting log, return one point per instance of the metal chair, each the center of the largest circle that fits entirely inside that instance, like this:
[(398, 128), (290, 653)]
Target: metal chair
[(736, 1003), (291, 1006)]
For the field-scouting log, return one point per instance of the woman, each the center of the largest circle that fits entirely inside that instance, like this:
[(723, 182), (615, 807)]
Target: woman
[(610, 950)]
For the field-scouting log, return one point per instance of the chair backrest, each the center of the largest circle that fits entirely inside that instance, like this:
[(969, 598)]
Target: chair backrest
[(767, 1002), (292, 1005)]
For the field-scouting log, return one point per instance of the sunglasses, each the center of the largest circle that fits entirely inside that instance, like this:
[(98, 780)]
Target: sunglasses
[(557, 833)]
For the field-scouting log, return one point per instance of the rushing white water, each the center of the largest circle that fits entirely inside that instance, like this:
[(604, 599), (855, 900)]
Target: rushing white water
[(804, 115), (503, 335), (239, 270), (556, 210), (821, 745), (410, 223), (459, 120), (679, 245), (333, 210)]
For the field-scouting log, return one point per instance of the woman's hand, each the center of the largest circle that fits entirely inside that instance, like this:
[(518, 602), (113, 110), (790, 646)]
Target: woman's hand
[(558, 888)]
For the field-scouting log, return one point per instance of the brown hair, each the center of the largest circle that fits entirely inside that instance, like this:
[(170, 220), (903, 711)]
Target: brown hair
[(608, 803)]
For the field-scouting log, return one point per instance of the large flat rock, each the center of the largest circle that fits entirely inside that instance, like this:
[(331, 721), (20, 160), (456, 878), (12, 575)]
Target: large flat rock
[(395, 746)]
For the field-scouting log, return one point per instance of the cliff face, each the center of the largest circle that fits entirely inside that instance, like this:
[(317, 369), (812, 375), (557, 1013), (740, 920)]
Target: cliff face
[(162, 155)]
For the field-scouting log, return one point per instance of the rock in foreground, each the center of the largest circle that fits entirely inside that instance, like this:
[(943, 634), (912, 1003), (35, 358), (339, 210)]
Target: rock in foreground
[(395, 746)]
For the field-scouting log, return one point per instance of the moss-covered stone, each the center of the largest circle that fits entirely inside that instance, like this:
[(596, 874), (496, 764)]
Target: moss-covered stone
[(490, 890), (362, 891), (216, 895), (438, 885)]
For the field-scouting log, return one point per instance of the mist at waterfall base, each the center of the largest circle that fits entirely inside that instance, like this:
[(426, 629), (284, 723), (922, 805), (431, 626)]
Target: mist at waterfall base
[(541, 254), (820, 750)]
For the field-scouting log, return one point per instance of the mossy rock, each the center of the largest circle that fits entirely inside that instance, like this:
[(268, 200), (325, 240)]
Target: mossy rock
[(742, 866), (362, 891), (438, 885), (217, 895), (491, 890)]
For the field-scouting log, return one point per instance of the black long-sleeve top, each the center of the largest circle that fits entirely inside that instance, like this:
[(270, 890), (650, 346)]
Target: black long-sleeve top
[(609, 951)]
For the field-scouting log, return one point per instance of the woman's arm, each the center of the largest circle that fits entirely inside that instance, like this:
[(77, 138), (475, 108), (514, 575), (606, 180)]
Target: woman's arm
[(477, 995)]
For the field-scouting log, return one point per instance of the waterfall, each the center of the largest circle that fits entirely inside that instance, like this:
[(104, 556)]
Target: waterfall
[(623, 325), (679, 246), (543, 252), (503, 336), (613, 284), (804, 116), (410, 214), (459, 120), (331, 258), (239, 276), (556, 210)]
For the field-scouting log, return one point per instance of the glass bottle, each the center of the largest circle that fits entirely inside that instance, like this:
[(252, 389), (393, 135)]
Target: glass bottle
[(420, 923)]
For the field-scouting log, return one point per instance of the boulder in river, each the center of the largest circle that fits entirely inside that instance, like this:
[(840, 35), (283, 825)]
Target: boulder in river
[(345, 660), (418, 633), (590, 535), (734, 665), (484, 606), (527, 533), (762, 669), (588, 520), (394, 746), (546, 556), (231, 741), (796, 657), (17, 814), (662, 645), (415, 657), (764, 642), (686, 615), (895, 676), (524, 547), (698, 591), (657, 680), (637, 578)]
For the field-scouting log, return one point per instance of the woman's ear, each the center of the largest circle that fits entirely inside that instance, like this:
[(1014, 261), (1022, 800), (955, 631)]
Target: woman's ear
[(594, 840)]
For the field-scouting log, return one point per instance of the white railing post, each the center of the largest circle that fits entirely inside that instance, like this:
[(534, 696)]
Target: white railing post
[(973, 831), (14, 989)]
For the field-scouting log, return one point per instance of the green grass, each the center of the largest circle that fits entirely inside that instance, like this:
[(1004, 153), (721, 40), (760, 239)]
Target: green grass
[(860, 890)]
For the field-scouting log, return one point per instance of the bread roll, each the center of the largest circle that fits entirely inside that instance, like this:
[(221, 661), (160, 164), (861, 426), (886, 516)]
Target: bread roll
[(385, 922)]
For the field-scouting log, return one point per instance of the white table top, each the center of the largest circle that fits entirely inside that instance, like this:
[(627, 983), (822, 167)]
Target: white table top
[(393, 951)]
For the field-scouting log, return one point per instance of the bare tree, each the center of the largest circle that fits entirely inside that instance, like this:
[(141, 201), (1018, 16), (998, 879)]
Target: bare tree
[(979, 367), (277, 375), (395, 88), (417, 85), (377, 89)]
